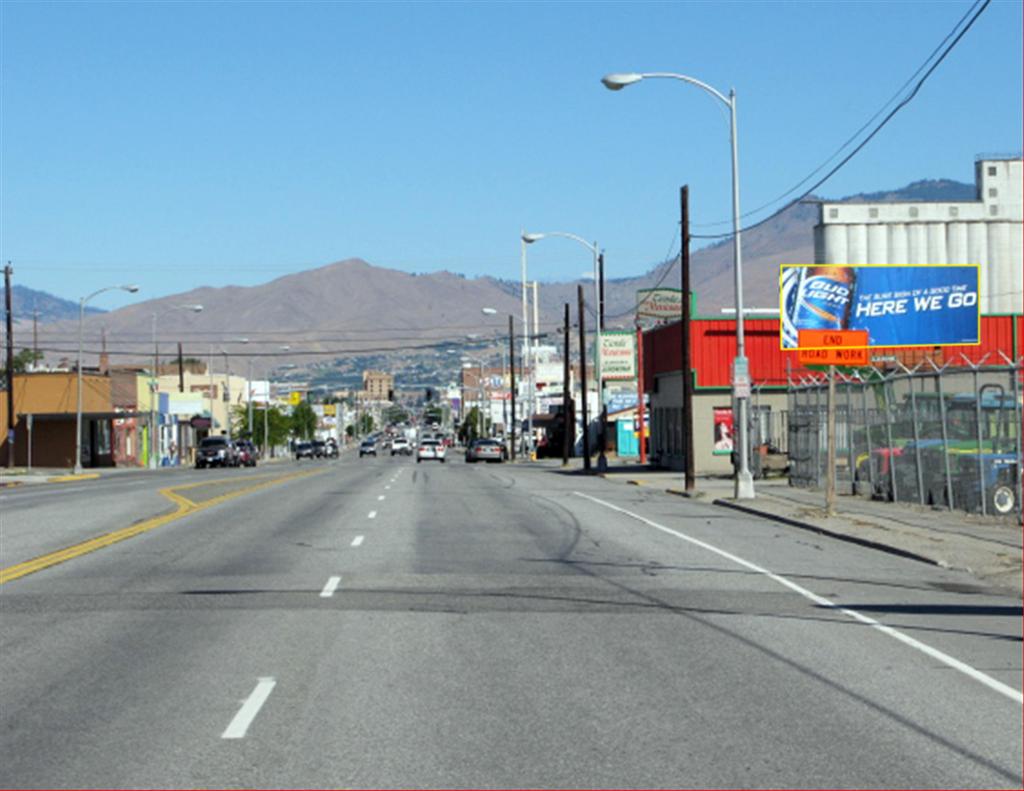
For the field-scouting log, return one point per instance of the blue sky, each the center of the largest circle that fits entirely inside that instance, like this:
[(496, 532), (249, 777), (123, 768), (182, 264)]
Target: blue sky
[(185, 144)]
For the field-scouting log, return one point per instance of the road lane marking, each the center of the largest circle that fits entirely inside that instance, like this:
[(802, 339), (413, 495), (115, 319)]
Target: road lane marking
[(934, 653), (330, 587), (380, 497), (250, 708), (357, 541), (185, 507), (371, 515), (387, 487)]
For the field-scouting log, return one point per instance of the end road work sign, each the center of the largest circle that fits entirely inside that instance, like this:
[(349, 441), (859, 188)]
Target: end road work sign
[(897, 305)]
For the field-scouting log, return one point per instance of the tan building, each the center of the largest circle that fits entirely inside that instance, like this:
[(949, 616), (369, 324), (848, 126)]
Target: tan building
[(45, 408), (377, 386)]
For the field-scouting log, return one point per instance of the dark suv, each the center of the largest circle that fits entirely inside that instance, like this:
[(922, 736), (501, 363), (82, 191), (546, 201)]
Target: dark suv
[(368, 446), (216, 452)]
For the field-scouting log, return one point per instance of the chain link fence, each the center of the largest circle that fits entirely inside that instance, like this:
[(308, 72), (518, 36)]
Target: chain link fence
[(946, 436)]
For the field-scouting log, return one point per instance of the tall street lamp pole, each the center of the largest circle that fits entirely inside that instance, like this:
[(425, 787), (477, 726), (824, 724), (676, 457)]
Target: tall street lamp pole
[(530, 238), (154, 385), (744, 484), (78, 408)]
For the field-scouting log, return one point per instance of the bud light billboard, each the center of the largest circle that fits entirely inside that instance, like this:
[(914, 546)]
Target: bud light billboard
[(898, 305)]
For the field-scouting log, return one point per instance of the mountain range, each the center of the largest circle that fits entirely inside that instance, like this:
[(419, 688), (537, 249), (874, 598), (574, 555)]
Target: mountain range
[(352, 307)]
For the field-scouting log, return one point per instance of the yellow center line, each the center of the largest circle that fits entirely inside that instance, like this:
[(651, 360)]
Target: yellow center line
[(185, 507)]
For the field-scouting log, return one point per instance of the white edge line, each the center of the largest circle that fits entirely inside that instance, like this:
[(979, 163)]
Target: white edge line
[(371, 515), (924, 648), (380, 497), (243, 719), (330, 587), (357, 541)]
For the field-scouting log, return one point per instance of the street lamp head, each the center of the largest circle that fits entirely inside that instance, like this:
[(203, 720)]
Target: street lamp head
[(530, 238), (616, 82), (196, 308), (130, 289), (488, 311)]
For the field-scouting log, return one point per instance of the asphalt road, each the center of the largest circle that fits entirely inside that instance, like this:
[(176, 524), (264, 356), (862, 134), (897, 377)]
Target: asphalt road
[(382, 623)]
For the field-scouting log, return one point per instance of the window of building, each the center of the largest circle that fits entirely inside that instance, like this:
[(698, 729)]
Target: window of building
[(991, 170), (873, 213), (993, 210), (913, 211), (954, 211), (993, 192), (833, 214)]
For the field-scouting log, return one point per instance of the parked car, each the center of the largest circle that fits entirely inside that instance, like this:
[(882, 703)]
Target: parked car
[(485, 450), (304, 450), (216, 451), (368, 447), (247, 453), (430, 449), (401, 445), (319, 448)]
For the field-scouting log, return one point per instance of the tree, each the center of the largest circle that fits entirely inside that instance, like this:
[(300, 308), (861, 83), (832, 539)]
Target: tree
[(365, 423), (22, 361), (279, 425), (304, 421), (470, 428)]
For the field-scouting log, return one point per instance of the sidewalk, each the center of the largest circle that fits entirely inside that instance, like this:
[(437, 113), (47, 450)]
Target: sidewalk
[(986, 547)]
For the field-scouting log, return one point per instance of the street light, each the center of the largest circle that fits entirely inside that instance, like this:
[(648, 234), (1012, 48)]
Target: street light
[(530, 238), (78, 410), (740, 367), (154, 440), (467, 363), (266, 409)]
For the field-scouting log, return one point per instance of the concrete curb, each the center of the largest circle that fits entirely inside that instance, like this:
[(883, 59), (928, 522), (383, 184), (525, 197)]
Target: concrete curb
[(864, 542)]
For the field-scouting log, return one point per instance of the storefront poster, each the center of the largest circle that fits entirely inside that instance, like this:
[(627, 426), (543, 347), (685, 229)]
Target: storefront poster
[(723, 431)]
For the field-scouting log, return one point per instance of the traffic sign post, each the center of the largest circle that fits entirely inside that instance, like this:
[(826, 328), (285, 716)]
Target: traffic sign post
[(831, 348)]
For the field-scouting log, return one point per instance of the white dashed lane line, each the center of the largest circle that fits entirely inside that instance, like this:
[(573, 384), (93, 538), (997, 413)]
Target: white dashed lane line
[(357, 541), (371, 515), (330, 587), (250, 708)]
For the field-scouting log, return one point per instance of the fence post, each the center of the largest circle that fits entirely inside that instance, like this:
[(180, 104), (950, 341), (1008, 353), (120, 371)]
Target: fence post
[(1015, 374), (867, 431), (917, 438), (886, 390), (851, 454), (945, 437), (977, 416)]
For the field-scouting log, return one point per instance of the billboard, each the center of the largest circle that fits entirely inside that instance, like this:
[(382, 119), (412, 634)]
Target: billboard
[(618, 354), (663, 305), (897, 305)]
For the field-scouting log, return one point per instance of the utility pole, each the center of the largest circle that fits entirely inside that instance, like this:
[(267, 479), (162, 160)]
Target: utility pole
[(181, 370), (830, 480), (8, 271), (35, 338), (640, 391), (512, 384), (583, 379), (602, 460), (684, 266), (569, 425)]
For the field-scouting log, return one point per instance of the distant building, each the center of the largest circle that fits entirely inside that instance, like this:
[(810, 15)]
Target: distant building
[(377, 386), (987, 231)]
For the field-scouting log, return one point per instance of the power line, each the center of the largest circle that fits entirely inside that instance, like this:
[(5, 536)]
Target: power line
[(872, 134)]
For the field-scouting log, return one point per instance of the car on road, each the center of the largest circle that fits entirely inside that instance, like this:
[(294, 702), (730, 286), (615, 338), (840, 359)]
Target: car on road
[(331, 449), (304, 450), (319, 448), (430, 449), (367, 447), (247, 453), (485, 450), (216, 451), (401, 445)]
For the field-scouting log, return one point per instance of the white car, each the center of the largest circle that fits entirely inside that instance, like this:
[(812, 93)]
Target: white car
[(401, 445), (430, 449)]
